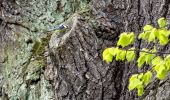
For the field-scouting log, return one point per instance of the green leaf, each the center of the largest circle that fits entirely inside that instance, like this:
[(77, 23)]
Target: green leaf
[(141, 35), (163, 39), (167, 62), (152, 35), (107, 56), (132, 37), (155, 32), (149, 57), (147, 27), (126, 39), (141, 60), (144, 35), (145, 57), (134, 82), (123, 40), (168, 32), (112, 51), (130, 55), (156, 61), (123, 55), (140, 76), (162, 22), (147, 77), (156, 68), (164, 32), (161, 71), (120, 55), (162, 74), (140, 88), (134, 76)]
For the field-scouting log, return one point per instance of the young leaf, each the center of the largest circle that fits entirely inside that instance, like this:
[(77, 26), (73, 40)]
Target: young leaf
[(152, 35), (156, 61), (147, 77), (141, 60), (147, 27), (155, 32), (162, 22), (167, 62), (112, 51), (105, 52), (130, 55), (107, 56), (134, 82), (168, 32), (140, 89), (123, 40), (141, 35), (123, 55), (144, 35), (120, 55), (140, 76), (163, 39), (131, 37), (148, 58), (161, 71)]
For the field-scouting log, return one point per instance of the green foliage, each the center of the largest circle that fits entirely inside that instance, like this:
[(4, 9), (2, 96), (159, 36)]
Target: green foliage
[(163, 36), (147, 77), (161, 71), (167, 62), (159, 64), (145, 57), (151, 34), (107, 55), (130, 55), (120, 55), (134, 82), (140, 88), (156, 61), (139, 81), (147, 27), (162, 22), (126, 39)]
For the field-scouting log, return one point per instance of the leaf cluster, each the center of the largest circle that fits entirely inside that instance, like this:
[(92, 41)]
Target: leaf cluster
[(160, 65)]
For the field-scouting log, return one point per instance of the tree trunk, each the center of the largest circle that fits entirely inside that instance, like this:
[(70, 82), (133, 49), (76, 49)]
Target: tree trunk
[(40, 65)]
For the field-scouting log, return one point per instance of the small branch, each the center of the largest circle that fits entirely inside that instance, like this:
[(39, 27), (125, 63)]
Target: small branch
[(148, 51), (163, 82)]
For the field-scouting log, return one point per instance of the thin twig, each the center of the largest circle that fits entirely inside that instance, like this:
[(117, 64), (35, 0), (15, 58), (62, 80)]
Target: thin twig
[(148, 51)]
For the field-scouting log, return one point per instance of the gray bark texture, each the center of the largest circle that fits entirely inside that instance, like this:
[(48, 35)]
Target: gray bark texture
[(37, 64)]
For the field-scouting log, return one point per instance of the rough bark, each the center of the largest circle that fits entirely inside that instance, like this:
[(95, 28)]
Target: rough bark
[(69, 65)]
